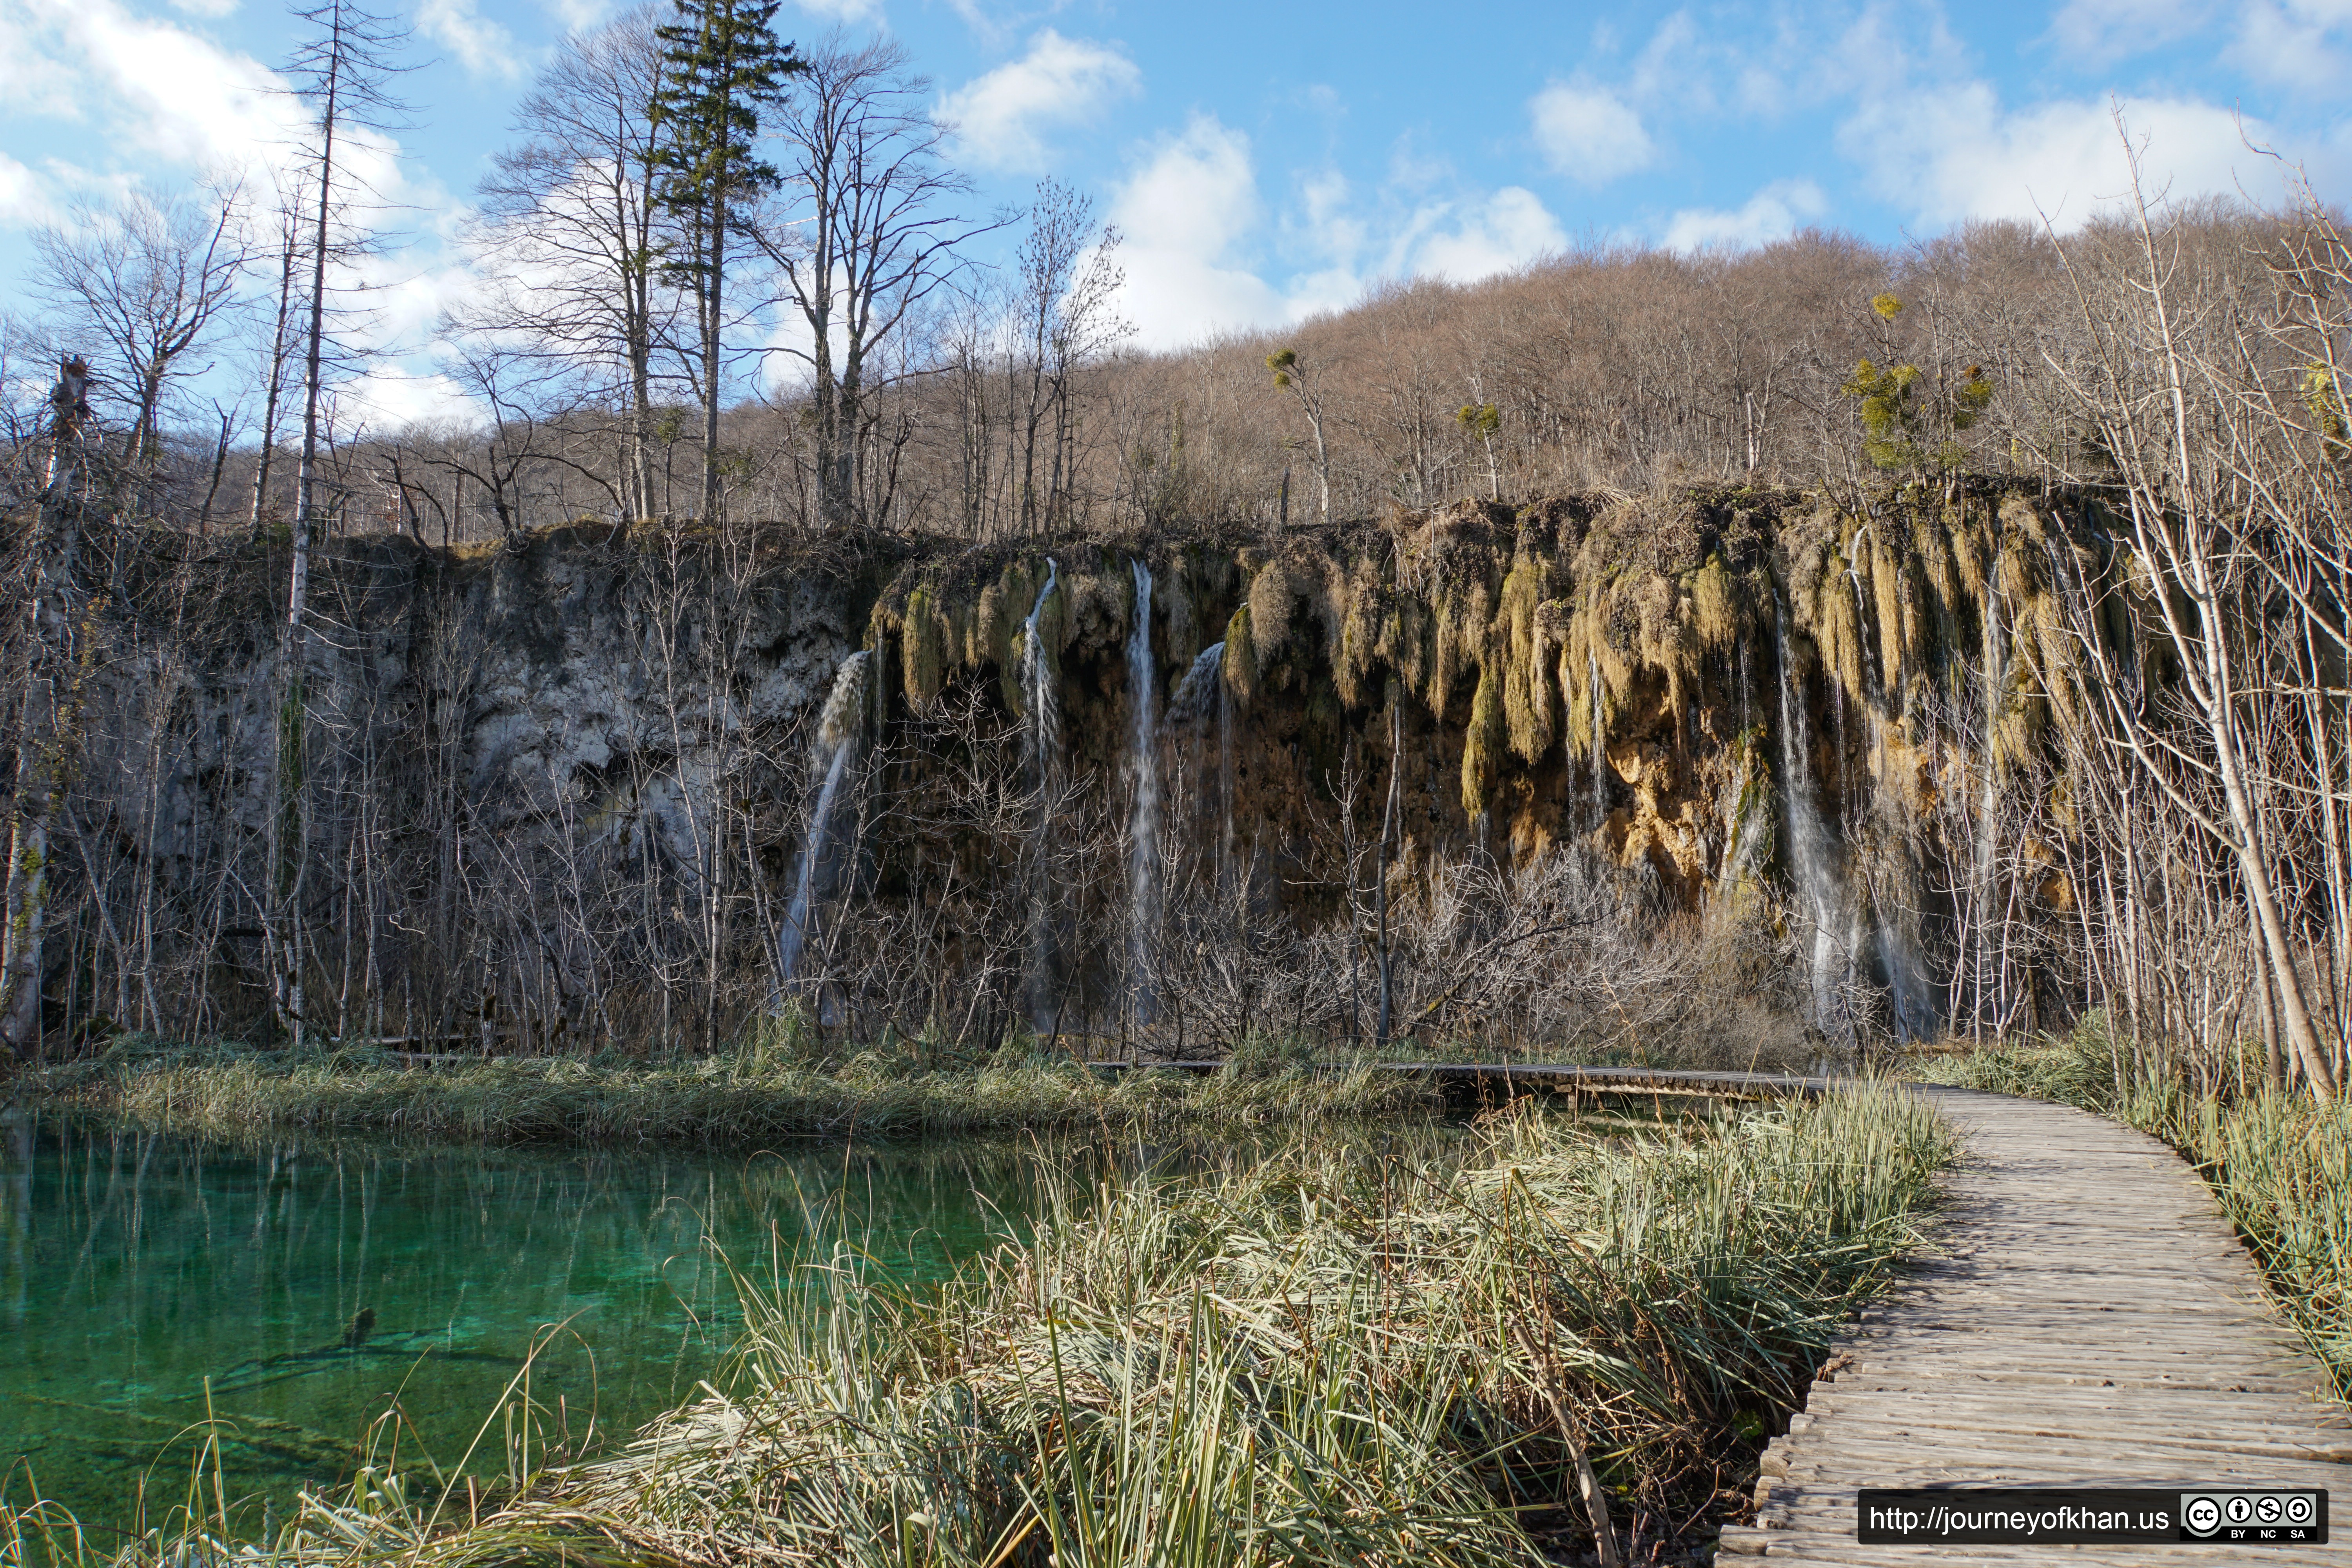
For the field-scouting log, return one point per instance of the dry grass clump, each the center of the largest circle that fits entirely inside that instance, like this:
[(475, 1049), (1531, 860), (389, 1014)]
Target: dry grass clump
[(753, 1095), (1316, 1361), (1319, 1360)]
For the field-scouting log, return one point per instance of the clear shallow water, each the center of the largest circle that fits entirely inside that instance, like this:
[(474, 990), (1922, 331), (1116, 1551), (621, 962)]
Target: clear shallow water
[(134, 1268)]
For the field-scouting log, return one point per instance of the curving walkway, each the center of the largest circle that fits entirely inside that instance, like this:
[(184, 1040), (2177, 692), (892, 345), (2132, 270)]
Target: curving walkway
[(2094, 1322)]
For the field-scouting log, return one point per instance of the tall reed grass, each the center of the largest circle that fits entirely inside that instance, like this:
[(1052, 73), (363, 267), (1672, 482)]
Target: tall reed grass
[(2279, 1165), (1323, 1359), (751, 1095)]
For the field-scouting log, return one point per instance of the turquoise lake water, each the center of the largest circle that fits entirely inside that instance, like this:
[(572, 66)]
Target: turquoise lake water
[(140, 1275)]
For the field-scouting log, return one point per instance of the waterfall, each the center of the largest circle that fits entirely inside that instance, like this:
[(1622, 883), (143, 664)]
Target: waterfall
[(1037, 686), (1811, 855), (1225, 775), (1045, 746), (840, 729), (1746, 721), (1143, 820), (1600, 745), (1189, 700), (1995, 680), (1203, 684)]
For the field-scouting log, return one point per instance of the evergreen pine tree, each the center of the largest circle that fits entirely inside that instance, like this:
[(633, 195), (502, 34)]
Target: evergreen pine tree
[(721, 63)]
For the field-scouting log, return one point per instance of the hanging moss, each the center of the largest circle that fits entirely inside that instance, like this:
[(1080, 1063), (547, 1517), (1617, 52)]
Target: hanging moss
[(1404, 639), (1715, 604), (1239, 665), (1972, 551), (1897, 613), (1356, 644), (1482, 747), (924, 646), (1668, 636), (1527, 702), (981, 645), (1837, 627), (1442, 665), (1090, 604), (1269, 607), (1014, 594)]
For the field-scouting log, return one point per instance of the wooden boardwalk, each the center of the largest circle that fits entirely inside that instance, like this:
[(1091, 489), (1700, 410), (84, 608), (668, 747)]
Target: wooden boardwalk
[(1501, 1080), (2092, 1322)]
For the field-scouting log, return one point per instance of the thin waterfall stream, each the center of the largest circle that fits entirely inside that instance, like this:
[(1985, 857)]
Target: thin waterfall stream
[(1044, 747), (1143, 820), (1810, 857), (839, 730)]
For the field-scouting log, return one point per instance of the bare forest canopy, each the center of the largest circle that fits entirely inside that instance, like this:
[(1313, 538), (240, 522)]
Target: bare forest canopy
[(1948, 638), (1818, 359)]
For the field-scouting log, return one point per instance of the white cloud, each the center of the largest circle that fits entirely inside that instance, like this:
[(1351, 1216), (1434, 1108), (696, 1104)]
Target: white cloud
[(389, 399), (1498, 234), (23, 202), (842, 11), (577, 16), (1191, 201), (2303, 44), (1000, 118), (162, 91), (1590, 134), (170, 99), (207, 9), (1773, 212), (1661, 72), (2096, 31), (1955, 153), (483, 46)]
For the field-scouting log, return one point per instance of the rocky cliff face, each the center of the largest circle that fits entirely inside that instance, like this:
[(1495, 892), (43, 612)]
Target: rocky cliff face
[(567, 787)]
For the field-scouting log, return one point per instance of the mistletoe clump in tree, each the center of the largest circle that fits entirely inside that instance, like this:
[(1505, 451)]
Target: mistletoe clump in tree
[(1908, 421)]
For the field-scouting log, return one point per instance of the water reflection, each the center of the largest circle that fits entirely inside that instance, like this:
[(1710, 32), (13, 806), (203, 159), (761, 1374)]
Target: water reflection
[(306, 1289), (309, 1289)]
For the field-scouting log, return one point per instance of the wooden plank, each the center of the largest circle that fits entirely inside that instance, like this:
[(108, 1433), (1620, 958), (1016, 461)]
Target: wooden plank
[(2091, 1319)]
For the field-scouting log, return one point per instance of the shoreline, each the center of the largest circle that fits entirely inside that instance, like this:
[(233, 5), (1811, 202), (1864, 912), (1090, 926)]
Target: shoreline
[(730, 1100)]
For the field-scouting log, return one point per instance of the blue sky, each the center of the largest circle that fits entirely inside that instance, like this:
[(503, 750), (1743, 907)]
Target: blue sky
[(1267, 161)]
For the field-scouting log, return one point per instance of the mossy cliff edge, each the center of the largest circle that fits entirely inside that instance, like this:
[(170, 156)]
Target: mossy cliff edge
[(592, 754), (1610, 672)]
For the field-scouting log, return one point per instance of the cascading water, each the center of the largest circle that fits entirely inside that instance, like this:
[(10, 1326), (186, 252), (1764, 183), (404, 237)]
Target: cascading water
[(1202, 686), (1811, 855), (1143, 820), (1600, 745), (1910, 999), (1037, 687), (839, 730), (1045, 746), (1996, 682)]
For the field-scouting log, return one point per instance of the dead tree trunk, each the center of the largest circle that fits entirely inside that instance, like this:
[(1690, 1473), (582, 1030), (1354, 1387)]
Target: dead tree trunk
[(41, 764)]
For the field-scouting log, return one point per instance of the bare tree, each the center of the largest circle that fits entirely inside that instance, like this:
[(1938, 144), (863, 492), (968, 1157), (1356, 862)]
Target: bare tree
[(2160, 357), (575, 233), (148, 279), (1306, 386), (1069, 283), (42, 731), (344, 71), (863, 239)]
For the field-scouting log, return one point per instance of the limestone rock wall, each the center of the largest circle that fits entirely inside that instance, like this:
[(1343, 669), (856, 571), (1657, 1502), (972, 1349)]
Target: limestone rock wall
[(541, 773)]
